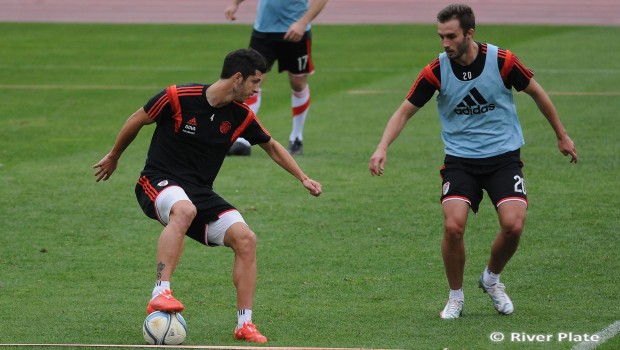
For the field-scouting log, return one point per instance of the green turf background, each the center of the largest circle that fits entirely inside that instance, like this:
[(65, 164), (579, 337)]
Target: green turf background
[(358, 267)]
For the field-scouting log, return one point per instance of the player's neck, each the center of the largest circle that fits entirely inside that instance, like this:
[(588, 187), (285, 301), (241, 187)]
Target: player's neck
[(218, 94), (470, 54)]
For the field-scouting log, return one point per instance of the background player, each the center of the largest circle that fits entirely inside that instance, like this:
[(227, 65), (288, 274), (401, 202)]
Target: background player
[(282, 32)]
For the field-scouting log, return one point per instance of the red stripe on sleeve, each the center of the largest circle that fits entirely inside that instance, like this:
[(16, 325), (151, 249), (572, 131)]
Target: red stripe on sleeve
[(189, 90), (248, 119), (428, 75), (171, 91), (157, 107), (509, 62), (524, 70)]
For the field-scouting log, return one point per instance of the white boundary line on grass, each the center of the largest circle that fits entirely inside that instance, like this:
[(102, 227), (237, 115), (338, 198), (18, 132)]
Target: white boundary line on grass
[(215, 347), (611, 331), (551, 93), (76, 87), (350, 92)]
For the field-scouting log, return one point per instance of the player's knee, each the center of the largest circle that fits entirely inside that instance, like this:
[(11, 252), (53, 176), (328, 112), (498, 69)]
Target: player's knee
[(242, 241), (513, 229), (454, 230), (512, 218), (183, 213), (247, 241), (298, 83)]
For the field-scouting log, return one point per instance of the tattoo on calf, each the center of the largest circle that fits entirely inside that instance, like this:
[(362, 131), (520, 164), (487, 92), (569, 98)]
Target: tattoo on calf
[(160, 268)]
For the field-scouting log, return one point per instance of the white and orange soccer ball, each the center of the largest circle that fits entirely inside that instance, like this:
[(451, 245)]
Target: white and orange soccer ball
[(162, 328)]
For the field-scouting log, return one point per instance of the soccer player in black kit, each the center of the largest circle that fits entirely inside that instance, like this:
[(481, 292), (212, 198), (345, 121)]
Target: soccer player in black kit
[(196, 125)]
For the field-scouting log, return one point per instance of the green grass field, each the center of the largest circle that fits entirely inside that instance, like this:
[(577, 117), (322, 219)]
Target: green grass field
[(359, 266)]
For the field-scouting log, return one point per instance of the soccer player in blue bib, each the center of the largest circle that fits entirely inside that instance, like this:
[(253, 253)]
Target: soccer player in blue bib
[(282, 33), (482, 138)]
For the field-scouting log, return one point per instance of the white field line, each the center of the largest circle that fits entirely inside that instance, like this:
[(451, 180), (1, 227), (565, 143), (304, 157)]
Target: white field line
[(75, 87), (209, 68), (214, 347), (156, 88), (611, 331), (551, 93)]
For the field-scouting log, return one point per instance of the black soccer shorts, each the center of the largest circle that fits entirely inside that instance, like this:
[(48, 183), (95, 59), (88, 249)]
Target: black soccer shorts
[(500, 176), (209, 205), (294, 57)]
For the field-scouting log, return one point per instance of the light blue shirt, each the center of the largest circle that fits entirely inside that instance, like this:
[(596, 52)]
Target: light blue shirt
[(276, 16), (478, 116)]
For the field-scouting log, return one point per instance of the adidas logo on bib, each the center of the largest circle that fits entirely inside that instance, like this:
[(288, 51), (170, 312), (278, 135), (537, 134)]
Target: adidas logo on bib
[(474, 103)]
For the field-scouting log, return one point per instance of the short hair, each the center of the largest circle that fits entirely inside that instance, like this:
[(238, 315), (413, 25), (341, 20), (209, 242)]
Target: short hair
[(246, 61), (462, 12)]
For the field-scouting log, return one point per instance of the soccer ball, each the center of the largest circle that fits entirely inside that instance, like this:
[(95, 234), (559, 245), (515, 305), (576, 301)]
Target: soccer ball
[(162, 328)]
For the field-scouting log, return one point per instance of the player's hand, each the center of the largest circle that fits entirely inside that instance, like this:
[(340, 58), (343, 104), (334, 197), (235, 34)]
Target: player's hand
[(295, 32), (377, 162), (567, 146), (106, 166), (230, 12), (313, 186)]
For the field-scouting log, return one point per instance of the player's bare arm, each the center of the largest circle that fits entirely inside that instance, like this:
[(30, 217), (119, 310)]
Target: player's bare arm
[(232, 9), (394, 126), (296, 30), (565, 143), (282, 157), (107, 165)]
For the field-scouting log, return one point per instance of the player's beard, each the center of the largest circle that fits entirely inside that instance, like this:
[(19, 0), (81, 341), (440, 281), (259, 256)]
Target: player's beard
[(239, 93), (459, 50)]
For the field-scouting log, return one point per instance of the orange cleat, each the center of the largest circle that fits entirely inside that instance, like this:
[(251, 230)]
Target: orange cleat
[(249, 333), (164, 301)]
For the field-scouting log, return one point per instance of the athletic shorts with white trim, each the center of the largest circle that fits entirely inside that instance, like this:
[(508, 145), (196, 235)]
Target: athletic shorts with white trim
[(157, 195), (501, 176), (293, 57)]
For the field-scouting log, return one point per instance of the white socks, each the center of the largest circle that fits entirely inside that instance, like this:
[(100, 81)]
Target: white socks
[(489, 278), (301, 104), (457, 294), (160, 287), (244, 316)]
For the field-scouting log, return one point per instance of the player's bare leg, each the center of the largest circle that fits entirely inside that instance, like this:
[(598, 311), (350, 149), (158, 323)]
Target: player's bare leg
[(453, 253), (452, 245), (169, 250), (242, 240), (511, 219)]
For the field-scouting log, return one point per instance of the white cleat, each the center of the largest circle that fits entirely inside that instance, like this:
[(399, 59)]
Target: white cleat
[(453, 309), (500, 299)]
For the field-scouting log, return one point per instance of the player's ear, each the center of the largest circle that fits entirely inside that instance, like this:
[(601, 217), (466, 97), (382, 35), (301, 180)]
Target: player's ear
[(238, 78), (470, 32)]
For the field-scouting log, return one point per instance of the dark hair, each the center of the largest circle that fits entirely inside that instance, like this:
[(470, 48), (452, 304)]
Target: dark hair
[(245, 61), (462, 12)]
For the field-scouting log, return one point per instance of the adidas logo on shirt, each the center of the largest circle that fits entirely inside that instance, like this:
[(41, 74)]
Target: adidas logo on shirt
[(473, 103), (190, 127)]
